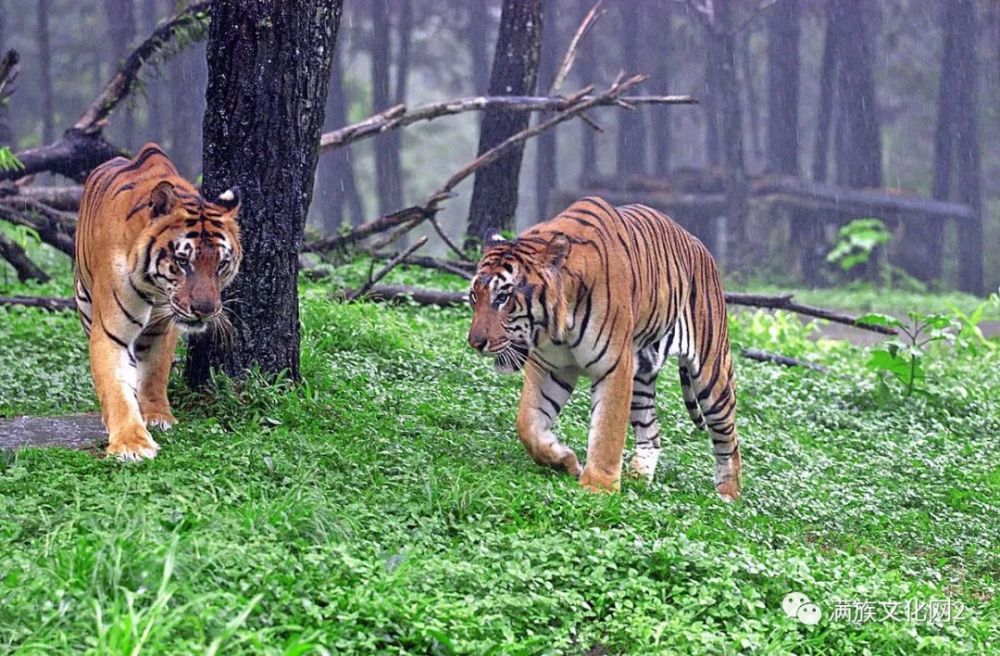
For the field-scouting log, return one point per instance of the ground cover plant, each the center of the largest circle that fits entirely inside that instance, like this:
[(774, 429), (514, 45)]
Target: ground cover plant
[(384, 505)]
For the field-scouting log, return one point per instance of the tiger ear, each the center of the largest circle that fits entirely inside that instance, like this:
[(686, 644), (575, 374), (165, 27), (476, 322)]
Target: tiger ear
[(230, 198), (493, 240), (557, 250), (162, 199)]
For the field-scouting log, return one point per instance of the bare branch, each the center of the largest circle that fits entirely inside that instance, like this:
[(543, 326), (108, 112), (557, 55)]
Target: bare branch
[(393, 263), (785, 302), (119, 86), (381, 224), (569, 58), (399, 117)]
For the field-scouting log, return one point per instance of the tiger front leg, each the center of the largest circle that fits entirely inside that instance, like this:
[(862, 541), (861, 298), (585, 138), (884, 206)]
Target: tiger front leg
[(610, 398), (154, 351), (542, 398), (113, 366)]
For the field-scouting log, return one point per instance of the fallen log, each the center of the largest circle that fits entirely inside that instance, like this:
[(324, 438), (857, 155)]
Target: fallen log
[(83, 146), (777, 358), (43, 302), (783, 302), (54, 227), (15, 255)]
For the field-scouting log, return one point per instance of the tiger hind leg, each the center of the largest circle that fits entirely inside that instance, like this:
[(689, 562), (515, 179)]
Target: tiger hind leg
[(714, 391)]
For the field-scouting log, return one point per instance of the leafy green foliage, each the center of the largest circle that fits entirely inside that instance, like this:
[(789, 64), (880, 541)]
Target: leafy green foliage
[(856, 242), (9, 161), (903, 358), (384, 505), (970, 336)]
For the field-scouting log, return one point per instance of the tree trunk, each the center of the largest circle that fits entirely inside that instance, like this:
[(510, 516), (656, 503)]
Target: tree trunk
[(631, 152), (783, 88), (253, 73), (962, 21), (661, 30), (188, 79), (827, 87), (712, 86), (338, 186), (477, 37), (586, 69), (515, 70), (388, 174), (859, 149), (547, 148), (731, 129), (45, 72), (746, 63), (154, 88), (121, 32)]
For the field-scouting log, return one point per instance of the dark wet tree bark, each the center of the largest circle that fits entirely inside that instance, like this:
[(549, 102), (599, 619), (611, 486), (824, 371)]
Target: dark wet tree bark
[(960, 20), (45, 72), (121, 31), (388, 172), (547, 153), (711, 105), (859, 147), (338, 187), (783, 88), (827, 86), (255, 73), (722, 55), (515, 71), (746, 63), (631, 152)]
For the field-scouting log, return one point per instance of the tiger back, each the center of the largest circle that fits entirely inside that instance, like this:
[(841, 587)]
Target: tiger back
[(608, 293), (151, 259)]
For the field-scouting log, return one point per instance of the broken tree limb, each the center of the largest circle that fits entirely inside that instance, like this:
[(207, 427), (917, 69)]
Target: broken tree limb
[(785, 302), (15, 255), (782, 302), (65, 199), (83, 146), (119, 86), (455, 267), (399, 116), (407, 219), (53, 227), (43, 302), (379, 225), (393, 263), (777, 358)]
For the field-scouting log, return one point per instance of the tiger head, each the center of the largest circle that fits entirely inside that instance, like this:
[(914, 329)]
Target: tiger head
[(517, 298), (191, 254)]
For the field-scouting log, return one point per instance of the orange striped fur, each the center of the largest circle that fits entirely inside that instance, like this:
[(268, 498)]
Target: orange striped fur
[(608, 293), (152, 257)]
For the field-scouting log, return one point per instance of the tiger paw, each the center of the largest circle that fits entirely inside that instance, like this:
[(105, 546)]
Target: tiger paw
[(595, 481), (159, 417), (132, 444)]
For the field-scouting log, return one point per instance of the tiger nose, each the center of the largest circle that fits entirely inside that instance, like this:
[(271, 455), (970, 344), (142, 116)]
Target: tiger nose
[(477, 342), (204, 308)]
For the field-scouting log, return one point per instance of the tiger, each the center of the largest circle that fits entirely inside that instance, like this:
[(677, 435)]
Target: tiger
[(608, 293), (151, 258)]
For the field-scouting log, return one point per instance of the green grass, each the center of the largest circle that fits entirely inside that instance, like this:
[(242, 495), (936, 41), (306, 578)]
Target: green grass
[(384, 505)]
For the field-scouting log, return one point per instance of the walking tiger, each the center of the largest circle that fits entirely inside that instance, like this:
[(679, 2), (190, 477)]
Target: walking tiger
[(608, 293), (152, 257)]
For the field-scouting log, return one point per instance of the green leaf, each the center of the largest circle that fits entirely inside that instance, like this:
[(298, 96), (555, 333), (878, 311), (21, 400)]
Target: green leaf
[(877, 319)]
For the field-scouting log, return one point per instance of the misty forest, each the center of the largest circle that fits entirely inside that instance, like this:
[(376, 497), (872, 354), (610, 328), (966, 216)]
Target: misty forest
[(289, 232)]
